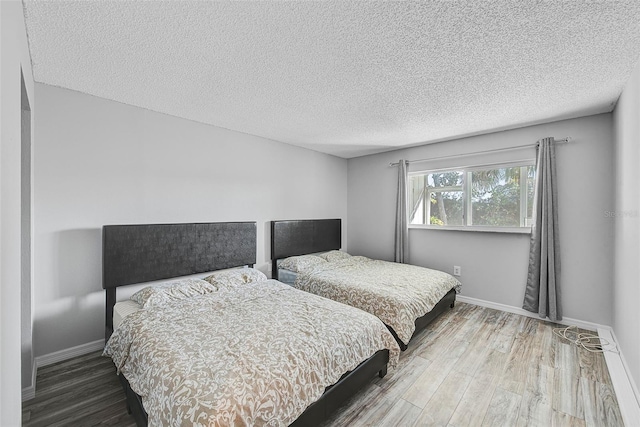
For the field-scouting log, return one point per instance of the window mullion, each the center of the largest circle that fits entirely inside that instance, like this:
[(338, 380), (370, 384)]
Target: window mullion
[(523, 195), (466, 192)]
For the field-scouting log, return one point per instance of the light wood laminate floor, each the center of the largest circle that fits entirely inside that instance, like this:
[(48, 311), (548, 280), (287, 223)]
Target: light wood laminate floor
[(473, 366)]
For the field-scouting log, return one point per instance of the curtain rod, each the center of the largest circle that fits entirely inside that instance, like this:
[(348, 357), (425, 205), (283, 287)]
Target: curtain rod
[(557, 141)]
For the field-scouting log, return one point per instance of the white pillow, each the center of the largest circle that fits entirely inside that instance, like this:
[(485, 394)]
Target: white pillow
[(332, 256), (239, 276), (301, 263), (166, 293)]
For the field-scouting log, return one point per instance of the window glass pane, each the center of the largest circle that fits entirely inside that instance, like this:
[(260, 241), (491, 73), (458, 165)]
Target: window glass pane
[(495, 197), (436, 198), (416, 199), (445, 179), (446, 208)]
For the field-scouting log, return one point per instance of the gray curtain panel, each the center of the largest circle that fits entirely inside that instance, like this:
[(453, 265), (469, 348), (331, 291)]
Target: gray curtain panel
[(402, 227), (542, 294)]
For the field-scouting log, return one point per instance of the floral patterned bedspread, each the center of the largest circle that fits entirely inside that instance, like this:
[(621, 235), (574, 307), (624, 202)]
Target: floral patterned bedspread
[(256, 354), (396, 293)]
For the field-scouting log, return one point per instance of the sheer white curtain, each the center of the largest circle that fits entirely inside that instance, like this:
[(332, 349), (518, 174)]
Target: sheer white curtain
[(402, 226), (542, 294)]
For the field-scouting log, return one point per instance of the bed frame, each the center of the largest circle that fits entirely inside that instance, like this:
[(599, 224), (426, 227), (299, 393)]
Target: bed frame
[(142, 253), (301, 237)]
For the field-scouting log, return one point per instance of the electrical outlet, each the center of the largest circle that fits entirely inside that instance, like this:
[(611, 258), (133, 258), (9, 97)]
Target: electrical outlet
[(457, 270)]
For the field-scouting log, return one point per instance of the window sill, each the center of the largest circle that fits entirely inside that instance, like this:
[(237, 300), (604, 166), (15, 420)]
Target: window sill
[(508, 230)]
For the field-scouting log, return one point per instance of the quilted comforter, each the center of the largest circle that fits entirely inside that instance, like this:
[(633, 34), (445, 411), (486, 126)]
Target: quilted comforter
[(396, 293), (256, 354)]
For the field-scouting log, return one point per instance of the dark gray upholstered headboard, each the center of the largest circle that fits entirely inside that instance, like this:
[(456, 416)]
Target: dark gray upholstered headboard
[(300, 237), (142, 253)]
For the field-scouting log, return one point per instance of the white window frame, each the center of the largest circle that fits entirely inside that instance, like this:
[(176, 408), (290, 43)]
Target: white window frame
[(467, 205)]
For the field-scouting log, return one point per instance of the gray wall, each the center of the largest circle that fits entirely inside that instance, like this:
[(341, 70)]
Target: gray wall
[(100, 162), (494, 265), (14, 58), (626, 286)]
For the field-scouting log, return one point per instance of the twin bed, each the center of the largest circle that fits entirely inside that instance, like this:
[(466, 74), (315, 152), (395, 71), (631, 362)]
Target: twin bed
[(236, 348)]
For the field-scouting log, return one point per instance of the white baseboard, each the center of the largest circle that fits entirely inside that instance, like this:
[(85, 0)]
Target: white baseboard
[(58, 356), (516, 310), (68, 353), (623, 383), (29, 393)]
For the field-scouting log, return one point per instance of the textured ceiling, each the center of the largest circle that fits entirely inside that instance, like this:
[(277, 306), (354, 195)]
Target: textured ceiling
[(343, 77)]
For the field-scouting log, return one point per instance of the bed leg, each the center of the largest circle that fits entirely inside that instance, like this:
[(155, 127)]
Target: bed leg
[(453, 304), (382, 372)]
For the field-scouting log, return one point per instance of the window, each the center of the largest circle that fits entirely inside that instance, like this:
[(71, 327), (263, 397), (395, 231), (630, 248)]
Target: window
[(479, 197)]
